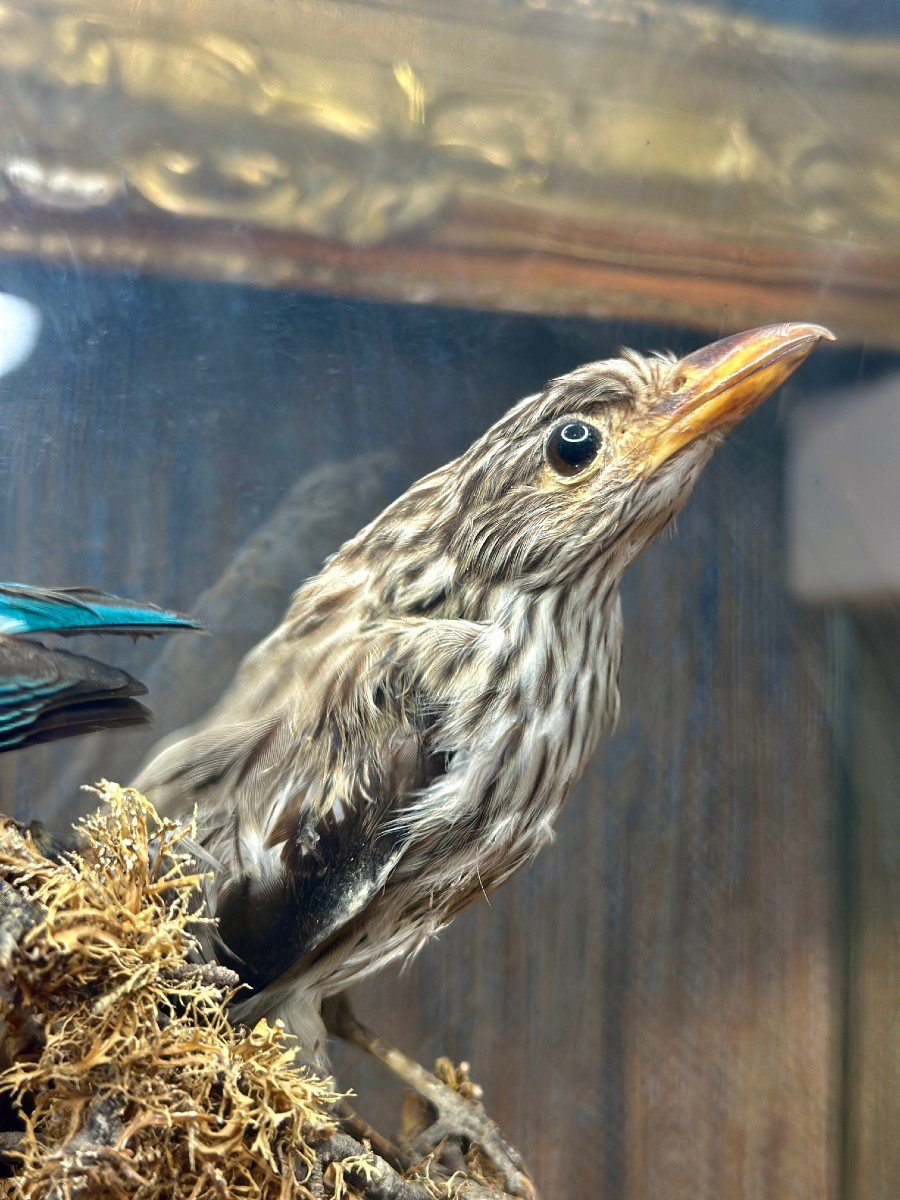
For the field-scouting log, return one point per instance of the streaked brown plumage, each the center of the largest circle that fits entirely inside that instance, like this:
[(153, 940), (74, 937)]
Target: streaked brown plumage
[(404, 740)]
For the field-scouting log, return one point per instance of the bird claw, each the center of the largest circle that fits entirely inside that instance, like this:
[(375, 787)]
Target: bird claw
[(463, 1120), (456, 1115)]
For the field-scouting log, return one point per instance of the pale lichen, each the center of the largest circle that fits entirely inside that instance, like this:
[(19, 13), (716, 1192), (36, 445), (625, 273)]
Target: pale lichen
[(130, 1081)]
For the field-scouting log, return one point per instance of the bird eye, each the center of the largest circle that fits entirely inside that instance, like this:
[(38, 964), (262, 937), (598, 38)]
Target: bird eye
[(571, 446)]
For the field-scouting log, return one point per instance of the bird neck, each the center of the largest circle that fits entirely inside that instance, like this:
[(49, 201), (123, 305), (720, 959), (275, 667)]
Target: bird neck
[(568, 642), (522, 730)]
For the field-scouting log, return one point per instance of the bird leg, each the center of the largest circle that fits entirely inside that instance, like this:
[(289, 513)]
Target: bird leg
[(456, 1116), (359, 1128)]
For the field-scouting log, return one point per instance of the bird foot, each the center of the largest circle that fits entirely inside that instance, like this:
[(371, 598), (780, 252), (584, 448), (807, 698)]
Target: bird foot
[(456, 1116), (458, 1119)]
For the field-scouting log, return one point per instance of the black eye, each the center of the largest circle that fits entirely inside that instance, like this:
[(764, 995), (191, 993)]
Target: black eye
[(572, 446)]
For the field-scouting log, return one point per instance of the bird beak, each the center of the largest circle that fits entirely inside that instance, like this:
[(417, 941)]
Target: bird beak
[(716, 387)]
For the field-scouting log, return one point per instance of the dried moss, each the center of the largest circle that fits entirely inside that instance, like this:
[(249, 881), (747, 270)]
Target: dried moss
[(128, 1077)]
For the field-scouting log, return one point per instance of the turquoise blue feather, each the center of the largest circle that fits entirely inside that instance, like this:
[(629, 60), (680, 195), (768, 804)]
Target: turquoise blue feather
[(47, 693), (69, 611)]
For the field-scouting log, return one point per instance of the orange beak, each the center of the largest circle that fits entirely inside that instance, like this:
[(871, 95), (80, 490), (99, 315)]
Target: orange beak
[(716, 387)]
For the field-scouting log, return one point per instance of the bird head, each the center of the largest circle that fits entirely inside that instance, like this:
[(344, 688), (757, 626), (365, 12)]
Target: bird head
[(572, 483)]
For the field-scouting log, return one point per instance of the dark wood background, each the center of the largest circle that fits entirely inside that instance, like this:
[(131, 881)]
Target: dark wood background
[(689, 996)]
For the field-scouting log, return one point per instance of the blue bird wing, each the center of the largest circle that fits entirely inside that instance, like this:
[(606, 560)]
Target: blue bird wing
[(49, 694), (70, 611)]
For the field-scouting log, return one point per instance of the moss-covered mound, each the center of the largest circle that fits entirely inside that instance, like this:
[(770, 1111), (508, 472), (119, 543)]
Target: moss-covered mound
[(128, 1079), (121, 1077)]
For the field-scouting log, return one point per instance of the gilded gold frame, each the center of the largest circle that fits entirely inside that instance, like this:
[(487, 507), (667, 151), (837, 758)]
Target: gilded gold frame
[(639, 159)]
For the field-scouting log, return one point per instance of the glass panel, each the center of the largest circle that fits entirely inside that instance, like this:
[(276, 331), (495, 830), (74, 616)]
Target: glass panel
[(267, 267)]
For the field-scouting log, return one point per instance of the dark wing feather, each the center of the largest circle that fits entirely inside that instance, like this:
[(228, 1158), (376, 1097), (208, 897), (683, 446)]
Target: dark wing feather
[(49, 694), (267, 926), (331, 873)]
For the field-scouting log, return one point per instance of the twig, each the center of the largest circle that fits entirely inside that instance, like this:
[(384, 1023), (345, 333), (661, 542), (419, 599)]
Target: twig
[(455, 1113), (18, 914), (9, 1144), (214, 974), (379, 1179), (362, 1131), (102, 1126)]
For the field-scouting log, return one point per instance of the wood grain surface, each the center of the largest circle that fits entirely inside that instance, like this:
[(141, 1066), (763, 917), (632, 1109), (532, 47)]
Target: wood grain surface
[(658, 1007), (872, 960)]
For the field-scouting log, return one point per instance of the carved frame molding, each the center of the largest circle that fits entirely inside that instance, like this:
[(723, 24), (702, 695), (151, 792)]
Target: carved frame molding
[(604, 158)]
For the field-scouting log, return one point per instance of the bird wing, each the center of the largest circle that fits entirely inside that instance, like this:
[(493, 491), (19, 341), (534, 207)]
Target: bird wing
[(48, 694), (70, 611), (295, 885), (298, 808)]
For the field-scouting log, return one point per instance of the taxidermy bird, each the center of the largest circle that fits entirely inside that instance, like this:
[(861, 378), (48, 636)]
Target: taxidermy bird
[(48, 693), (404, 740)]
